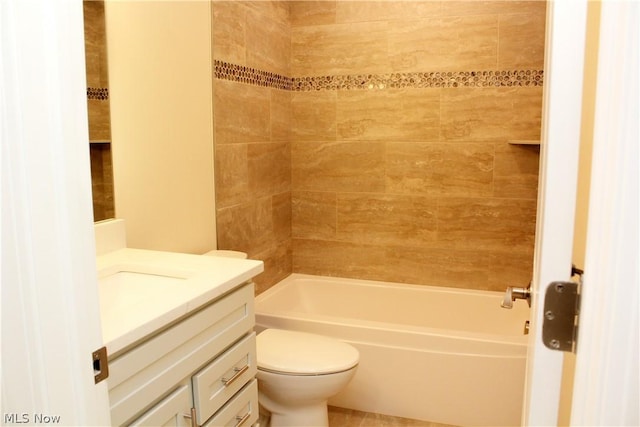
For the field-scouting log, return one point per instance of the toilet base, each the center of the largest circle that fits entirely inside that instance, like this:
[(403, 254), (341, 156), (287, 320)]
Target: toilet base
[(315, 415)]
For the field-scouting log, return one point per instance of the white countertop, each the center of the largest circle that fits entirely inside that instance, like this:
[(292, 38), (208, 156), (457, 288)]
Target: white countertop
[(152, 289)]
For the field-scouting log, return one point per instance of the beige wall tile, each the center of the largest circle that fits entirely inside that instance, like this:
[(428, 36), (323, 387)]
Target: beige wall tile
[(268, 42), (457, 43), (277, 265), (516, 171), (280, 115), (386, 219), (228, 26), (491, 114), (313, 12), (99, 119), (313, 215), (456, 268), (241, 112), (102, 181), (364, 11), (269, 168), (342, 259), (351, 166), (486, 224), (232, 174), (508, 268), (440, 169), (381, 10), (246, 227), (339, 49), (400, 114), (521, 44), (313, 116), (273, 11), (281, 208), (479, 7), (95, 44)]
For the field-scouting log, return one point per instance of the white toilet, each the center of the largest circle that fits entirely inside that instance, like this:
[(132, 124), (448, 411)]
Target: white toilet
[(298, 372)]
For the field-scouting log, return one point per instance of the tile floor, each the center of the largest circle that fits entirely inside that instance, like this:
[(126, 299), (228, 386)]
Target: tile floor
[(340, 417)]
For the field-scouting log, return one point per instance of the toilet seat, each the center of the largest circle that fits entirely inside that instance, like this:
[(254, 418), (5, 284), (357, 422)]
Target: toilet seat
[(301, 353)]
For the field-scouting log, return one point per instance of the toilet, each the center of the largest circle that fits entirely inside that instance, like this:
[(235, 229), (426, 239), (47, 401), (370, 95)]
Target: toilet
[(298, 372), (226, 254)]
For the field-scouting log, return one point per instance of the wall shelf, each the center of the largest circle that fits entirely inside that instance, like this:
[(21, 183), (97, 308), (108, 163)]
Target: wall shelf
[(524, 142)]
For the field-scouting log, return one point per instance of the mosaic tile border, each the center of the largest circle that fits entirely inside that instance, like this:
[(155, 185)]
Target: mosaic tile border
[(238, 73), (422, 80), (100, 93)]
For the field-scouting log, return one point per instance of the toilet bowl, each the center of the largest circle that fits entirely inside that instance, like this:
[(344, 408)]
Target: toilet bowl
[(298, 372)]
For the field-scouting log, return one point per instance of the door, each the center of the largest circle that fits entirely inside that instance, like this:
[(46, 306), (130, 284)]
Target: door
[(50, 312), (606, 376)]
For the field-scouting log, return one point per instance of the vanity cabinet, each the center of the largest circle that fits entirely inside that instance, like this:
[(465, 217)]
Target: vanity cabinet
[(200, 370)]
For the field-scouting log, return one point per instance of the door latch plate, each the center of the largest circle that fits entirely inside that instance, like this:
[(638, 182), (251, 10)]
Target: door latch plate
[(561, 308), (100, 364)]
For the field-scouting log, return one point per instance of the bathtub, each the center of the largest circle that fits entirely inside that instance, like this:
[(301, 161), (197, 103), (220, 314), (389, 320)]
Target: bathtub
[(445, 355)]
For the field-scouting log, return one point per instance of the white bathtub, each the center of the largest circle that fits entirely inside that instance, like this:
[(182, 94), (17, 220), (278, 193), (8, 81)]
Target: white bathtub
[(445, 355)]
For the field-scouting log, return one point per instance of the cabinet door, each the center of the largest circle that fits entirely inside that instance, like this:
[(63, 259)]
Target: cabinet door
[(173, 411)]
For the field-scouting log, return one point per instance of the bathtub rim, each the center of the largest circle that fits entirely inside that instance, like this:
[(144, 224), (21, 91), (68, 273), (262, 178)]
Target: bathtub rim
[(413, 333)]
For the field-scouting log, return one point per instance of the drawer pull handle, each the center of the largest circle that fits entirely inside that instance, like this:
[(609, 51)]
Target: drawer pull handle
[(243, 419), (238, 372), (192, 417)]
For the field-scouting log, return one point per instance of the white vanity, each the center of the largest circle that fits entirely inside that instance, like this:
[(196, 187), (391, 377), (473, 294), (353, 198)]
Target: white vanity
[(179, 334)]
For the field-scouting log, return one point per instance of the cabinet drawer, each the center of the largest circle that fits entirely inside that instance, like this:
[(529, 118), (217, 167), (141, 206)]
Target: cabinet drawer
[(242, 409), (223, 377), (142, 376), (170, 411)]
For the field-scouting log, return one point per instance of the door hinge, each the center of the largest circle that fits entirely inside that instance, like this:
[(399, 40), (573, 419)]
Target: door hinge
[(100, 365), (561, 314)]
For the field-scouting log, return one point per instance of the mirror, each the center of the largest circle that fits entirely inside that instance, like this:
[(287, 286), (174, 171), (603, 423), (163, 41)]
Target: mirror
[(99, 110), (149, 72)]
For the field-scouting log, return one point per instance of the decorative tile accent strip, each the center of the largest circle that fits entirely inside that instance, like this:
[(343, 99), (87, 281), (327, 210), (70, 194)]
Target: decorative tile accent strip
[(238, 73), (421, 80), (101, 93)]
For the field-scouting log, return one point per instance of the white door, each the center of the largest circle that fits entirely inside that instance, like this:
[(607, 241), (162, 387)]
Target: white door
[(608, 341), (50, 311)]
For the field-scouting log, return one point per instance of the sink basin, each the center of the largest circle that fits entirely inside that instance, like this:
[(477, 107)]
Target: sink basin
[(134, 278), (129, 285)]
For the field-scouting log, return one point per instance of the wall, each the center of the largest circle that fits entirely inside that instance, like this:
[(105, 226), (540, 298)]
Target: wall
[(251, 45), (160, 70), (369, 139), (401, 113)]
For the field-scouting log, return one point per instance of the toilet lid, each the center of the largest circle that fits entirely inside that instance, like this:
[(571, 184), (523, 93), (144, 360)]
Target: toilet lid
[(303, 353)]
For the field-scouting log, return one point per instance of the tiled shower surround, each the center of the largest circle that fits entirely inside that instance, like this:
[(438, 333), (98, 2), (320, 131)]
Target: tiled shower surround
[(98, 108), (370, 139)]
